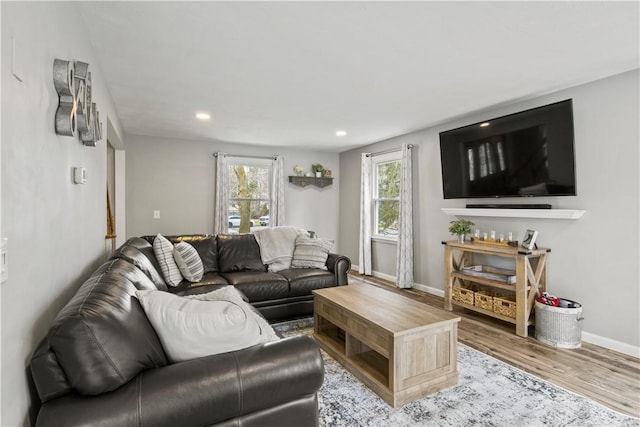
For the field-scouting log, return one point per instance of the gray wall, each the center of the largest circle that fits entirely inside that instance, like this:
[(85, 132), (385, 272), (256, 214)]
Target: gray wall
[(55, 229), (594, 260), (177, 177)]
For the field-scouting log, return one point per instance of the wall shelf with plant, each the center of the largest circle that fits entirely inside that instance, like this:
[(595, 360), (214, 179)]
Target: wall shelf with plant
[(303, 181)]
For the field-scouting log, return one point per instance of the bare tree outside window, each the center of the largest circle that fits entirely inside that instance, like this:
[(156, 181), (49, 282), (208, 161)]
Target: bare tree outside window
[(248, 196)]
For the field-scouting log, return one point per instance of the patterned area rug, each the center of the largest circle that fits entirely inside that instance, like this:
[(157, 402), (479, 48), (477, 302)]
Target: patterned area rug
[(489, 393)]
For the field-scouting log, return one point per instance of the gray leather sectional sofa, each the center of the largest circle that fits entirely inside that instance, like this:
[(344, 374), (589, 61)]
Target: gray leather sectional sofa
[(102, 363)]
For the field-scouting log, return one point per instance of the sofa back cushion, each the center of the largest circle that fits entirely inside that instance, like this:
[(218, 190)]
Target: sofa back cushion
[(139, 252), (239, 252), (102, 337)]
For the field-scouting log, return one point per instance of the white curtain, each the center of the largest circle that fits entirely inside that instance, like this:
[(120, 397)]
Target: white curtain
[(221, 208), (404, 260), (364, 259), (276, 210)]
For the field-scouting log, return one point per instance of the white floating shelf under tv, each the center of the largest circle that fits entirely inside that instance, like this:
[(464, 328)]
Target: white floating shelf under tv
[(517, 213)]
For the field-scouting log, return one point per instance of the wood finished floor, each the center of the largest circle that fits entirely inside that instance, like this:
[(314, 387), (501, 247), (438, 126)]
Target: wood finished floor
[(608, 377)]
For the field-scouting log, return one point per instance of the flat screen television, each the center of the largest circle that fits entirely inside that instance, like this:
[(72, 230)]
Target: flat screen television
[(526, 154)]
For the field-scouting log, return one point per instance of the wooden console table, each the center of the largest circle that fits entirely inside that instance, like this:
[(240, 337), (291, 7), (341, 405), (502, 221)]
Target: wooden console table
[(531, 273)]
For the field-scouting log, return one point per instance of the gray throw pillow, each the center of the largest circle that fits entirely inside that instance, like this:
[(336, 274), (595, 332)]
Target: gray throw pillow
[(311, 253), (188, 261), (163, 249)]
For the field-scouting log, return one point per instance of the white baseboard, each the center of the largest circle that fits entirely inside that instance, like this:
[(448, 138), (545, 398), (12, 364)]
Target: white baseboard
[(429, 289), (605, 342)]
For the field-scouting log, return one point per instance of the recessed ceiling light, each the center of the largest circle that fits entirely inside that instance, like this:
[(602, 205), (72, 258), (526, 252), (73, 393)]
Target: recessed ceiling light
[(341, 133), (202, 116), (484, 125)]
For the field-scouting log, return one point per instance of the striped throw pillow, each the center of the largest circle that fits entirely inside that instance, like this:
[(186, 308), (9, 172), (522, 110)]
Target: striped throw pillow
[(163, 249), (311, 252), (188, 261)]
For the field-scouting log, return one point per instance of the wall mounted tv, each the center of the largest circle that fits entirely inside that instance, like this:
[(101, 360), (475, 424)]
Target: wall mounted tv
[(525, 154)]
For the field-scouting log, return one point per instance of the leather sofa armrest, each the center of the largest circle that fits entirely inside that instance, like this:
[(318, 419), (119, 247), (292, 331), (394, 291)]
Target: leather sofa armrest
[(339, 265), (202, 391)]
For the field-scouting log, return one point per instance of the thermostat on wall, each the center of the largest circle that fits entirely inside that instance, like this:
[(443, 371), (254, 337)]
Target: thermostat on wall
[(79, 175)]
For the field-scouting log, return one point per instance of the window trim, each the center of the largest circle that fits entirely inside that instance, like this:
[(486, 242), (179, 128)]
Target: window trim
[(395, 156)]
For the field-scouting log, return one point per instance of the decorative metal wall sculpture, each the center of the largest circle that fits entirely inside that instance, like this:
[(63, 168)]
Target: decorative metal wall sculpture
[(76, 113)]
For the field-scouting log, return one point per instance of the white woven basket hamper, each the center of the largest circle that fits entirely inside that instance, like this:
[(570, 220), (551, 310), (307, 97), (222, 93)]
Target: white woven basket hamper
[(559, 326)]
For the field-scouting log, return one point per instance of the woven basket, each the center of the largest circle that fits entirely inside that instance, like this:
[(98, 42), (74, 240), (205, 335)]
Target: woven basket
[(484, 299), (505, 305), (463, 295)]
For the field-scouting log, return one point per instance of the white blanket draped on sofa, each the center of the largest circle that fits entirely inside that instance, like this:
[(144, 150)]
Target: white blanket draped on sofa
[(277, 245)]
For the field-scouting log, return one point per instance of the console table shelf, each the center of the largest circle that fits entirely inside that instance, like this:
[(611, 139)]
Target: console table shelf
[(531, 273), (303, 181), (517, 213)]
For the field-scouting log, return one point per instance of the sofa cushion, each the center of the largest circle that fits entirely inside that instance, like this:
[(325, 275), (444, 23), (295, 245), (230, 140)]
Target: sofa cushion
[(259, 286), (208, 279), (188, 261), (207, 248), (163, 249), (239, 252), (304, 280), (311, 252), (102, 338), (139, 252), (190, 328), (128, 271)]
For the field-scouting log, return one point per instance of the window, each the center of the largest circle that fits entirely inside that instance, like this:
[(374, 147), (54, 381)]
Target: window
[(248, 194), (386, 194)]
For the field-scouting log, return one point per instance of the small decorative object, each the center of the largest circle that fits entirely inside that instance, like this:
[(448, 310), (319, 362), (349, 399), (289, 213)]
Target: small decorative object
[(510, 237), (460, 228), (76, 113), (326, 173), (493, 235), (298, 170), (476, 234), (547, 299), (317, 169), (501, 238), (309, 174), (529, 240)]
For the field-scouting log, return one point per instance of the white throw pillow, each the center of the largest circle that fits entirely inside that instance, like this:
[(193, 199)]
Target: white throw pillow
[(189, 328), (229, 293), (188, 261), (163, 249), (311, 252)]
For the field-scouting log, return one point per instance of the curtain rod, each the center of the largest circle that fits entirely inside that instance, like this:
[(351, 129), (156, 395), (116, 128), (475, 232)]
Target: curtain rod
[(392, 150), (244, 156)]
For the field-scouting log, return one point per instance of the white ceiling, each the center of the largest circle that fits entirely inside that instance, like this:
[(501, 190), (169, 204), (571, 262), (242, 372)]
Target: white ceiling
[(292, 73)]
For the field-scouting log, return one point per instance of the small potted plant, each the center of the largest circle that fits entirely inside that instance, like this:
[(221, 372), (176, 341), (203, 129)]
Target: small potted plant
[(460, 228), (298, 170), (317, 169)]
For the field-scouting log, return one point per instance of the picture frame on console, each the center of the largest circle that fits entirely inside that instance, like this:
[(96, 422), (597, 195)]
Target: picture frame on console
[(529, 239)]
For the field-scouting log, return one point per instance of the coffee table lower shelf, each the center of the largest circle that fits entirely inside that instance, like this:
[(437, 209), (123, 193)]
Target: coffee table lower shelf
[(374, 367)]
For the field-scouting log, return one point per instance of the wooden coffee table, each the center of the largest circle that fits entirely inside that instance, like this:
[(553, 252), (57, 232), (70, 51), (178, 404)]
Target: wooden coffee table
[(400, 348)]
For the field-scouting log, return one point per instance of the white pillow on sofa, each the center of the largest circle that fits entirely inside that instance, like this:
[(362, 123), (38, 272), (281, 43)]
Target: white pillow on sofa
[(188, 261), (189, 328), (229, 293), (163, 250), (311, 252)]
